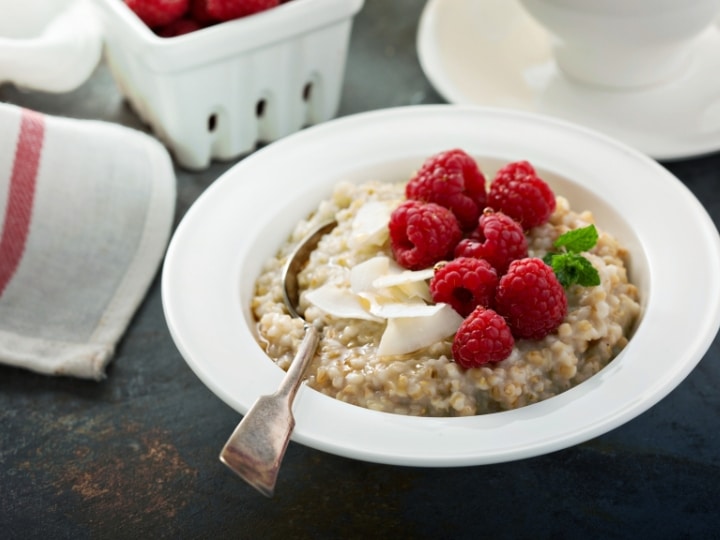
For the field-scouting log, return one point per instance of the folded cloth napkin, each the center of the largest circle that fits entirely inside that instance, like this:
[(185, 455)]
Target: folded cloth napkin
[(86, 209)]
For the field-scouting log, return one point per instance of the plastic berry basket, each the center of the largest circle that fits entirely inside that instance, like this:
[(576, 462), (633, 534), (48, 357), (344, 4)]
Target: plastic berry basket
[(217, 92)]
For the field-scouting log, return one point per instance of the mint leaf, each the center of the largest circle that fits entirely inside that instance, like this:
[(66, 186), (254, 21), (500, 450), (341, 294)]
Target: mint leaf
[(569, 266), (578, 240), (571, 269)]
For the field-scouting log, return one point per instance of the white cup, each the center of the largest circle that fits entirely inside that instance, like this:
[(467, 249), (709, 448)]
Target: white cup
[(623, 43)]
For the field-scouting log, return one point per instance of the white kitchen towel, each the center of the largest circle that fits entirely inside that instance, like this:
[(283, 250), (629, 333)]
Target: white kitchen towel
[(86, 210)]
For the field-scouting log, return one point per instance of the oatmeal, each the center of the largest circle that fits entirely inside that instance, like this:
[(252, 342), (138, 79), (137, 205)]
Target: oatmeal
[(428, 382)]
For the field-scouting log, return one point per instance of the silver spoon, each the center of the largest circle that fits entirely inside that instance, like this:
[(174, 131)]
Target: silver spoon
[(256, 448)]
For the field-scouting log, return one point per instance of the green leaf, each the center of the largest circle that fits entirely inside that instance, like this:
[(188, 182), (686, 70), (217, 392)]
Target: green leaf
[(578, 240), (571, 269)]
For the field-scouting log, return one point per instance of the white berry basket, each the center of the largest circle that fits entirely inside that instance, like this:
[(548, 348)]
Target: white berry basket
[(217, 92)]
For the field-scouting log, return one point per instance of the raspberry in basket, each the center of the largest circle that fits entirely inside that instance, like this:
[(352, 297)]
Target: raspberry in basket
[(225, 10), (199, 12), (483, 337), (464, 283), (156, 13), (182, 26), (451, 179), (531, 299), (422, 234), (499, 239), (520, 193)]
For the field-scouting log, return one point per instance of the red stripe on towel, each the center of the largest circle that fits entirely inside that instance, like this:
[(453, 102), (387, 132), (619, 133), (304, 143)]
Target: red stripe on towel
[(21, 194)]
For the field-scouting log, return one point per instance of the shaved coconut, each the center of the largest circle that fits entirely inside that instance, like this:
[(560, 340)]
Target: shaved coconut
[(407, 284), (370, 225), (379, 305), (404, 277), (406, 335), (419, 289), (404, 293), (339, 302), (380, 289), (364, 274), (407, 310)]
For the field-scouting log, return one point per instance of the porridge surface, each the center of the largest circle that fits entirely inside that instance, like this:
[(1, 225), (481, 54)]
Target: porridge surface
[(427, 382)]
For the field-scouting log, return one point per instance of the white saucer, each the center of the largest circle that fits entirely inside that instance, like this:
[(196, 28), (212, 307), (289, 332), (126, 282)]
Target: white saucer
[(490, 52)]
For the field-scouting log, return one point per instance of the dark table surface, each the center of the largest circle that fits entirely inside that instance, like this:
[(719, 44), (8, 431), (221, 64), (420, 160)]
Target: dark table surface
[(136, 455)]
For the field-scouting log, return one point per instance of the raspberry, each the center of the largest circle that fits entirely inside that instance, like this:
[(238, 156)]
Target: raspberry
[(179, 27), (225, 10), (199, 12), (451, 179), (531, 298), (422, 234), (483, 337), (156, 13), (521, 194), (464, 283), (499, 239)]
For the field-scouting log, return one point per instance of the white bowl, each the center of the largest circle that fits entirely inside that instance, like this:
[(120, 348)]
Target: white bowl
[(218, 249), (216, 92)]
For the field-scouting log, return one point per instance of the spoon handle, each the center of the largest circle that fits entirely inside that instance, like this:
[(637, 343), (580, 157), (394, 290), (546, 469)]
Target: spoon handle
[(305, 353), (255, 449)]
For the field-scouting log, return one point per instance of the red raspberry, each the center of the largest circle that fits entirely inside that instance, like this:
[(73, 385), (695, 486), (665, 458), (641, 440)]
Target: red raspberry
[(156, 13), (464, 283), (422, 234), (451, 179), (179, 27), (225, 10), (499, 239), (531, 298), (483, 337), (199, 12), (521, 194)]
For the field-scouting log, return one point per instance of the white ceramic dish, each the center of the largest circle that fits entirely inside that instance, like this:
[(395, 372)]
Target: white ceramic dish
[(492, 53), (221, 243)]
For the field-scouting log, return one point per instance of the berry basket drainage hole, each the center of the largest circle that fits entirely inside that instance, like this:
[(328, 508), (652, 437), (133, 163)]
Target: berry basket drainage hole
[(212, 122), (260, 108), (307, 91)]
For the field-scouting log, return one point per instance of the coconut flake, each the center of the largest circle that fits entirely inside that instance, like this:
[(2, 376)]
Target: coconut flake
[(410, 308), (404, 277), (381, 290), (370, 225), (363, 275), (408, 334), (339, 302), (406, 284)]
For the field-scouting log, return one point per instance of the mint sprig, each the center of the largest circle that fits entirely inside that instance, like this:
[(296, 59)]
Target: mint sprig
[(569, 265)]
